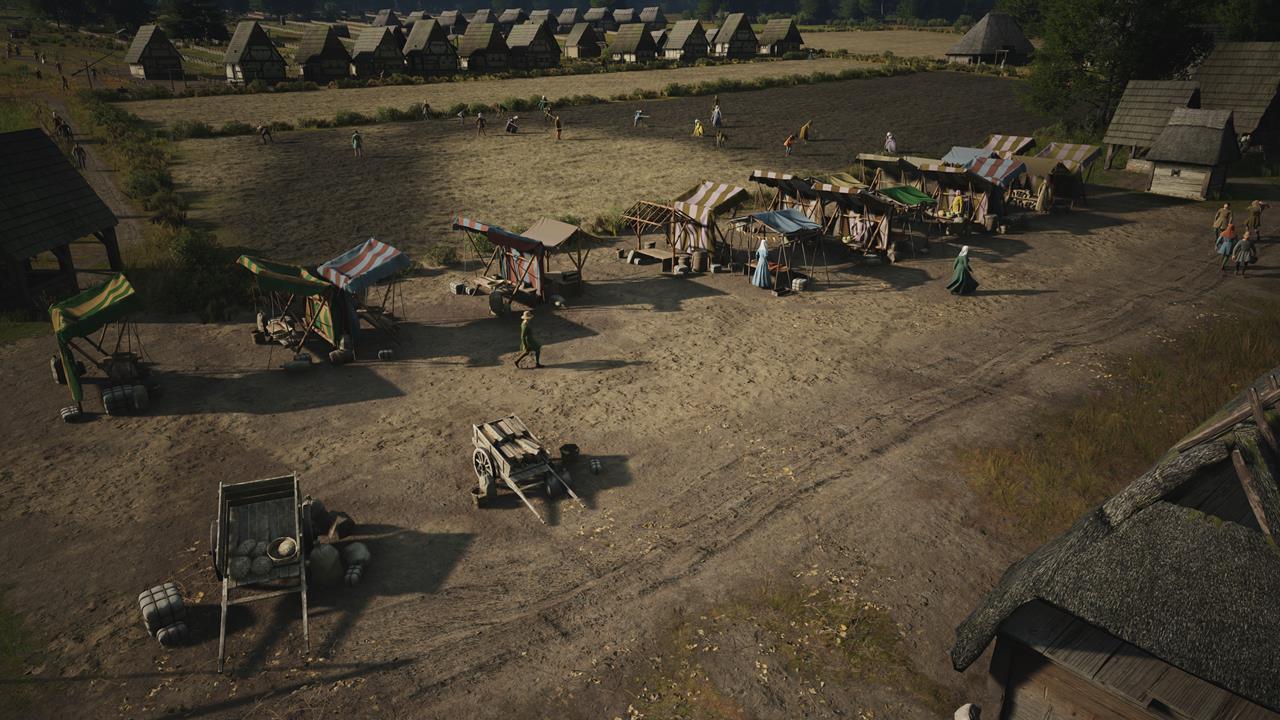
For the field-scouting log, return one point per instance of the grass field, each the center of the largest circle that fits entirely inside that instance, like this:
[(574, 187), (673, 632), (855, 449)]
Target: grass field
[(903, 43), (291, 107)]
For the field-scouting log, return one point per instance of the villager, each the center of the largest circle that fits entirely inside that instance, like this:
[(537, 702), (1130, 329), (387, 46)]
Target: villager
[(65, 86), (697, 127), (717, 117), (789, 143), (890, 144), (1222, 219), (512, 127), (1254, 222), (81, 157), (558, 125), (637, 118), (462, 116), (357, 144), (1226, 243), (1244, 253), (264, 134), (528, 344), (480, 123), (962, 280), (721, 139), (543, 103), (805, 129)]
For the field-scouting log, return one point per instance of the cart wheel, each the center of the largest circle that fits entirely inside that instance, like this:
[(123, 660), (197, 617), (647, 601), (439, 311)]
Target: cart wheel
[(55, 367), (554, 487), (483, 465)]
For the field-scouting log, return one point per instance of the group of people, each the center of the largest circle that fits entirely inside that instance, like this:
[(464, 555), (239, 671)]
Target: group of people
[(801, 135), (717, 122), (1233, 247), (62, 129)]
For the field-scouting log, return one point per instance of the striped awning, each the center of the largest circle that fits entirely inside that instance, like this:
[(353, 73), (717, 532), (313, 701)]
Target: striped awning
[(364, 265), (702, 204), (768, 177), (1077, 156), (91, 309), (940, 167), (960, 155), (497, 235), (998, 171), (1006, 145), (283, 278)]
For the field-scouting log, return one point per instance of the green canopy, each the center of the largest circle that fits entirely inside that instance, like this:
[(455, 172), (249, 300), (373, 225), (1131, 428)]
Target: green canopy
[(907, 195), (82, 314), (279, 277)]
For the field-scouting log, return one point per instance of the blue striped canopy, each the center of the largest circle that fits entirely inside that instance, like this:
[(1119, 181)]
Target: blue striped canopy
[(960, 155), (786, 222)]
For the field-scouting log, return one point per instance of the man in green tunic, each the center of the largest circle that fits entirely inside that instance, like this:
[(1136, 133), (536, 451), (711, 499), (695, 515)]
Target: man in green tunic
[(962, 281), (1221, 220), (528, 345)]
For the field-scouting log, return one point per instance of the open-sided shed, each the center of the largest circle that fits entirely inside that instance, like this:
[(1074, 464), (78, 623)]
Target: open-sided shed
[(1045, 183), (1143, 112), (252, 56), (427, 51), (785, 191), (705, 204), (571, 242), (996, 177), (995, 39), (885, 170), (321, 57), (365, 277), (960, 155), (45, 206), (514, 267), (152, 57), (1006, 145)]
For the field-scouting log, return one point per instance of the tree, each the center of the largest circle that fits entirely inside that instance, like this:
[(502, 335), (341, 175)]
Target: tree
[(1093, 48), (1028, 13), (198, 19), (1251, 20), (706, 9), (813, 12)]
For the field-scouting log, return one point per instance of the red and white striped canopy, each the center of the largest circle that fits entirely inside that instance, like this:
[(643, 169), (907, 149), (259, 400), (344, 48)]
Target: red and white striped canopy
[(1006, 145)]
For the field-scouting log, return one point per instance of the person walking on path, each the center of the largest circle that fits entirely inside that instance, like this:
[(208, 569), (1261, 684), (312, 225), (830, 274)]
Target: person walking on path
[(1225, 243), (1244, 253), (558, 125), (1254, 222), (528, 344), (962, 280), (264, 134), (357, 144), (1221, 220), (544, 103), (81, 157), (788, 144)]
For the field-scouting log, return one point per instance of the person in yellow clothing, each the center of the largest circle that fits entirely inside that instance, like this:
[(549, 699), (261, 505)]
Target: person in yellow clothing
[(697, 128), (957, 205), (804, 131)]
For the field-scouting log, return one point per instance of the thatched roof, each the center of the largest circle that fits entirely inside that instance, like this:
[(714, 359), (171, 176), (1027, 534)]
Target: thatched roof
[(567, 17), (44, 202), (385, 18), (996, 32), (1145, 107), (511, 16), (653, 16), (523, 36), (248, 34), (1243, 78), (147, 34), (482, 16), (659, 37), (683, 31), (733, 23), (371, 38), (540, 16), (482, 36), (632, 38), (449, 18), (582, 34), (417, 16), (1175, 564), (424, 33), (1197, 137), (780, 29), (319, 41), (622, 16), (596, 14)]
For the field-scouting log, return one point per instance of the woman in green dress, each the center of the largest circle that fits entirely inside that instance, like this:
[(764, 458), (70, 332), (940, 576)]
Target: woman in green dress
[(962, 282)]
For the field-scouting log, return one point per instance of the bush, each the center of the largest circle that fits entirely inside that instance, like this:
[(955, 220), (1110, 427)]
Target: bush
[(167, 208), (144, 182), (609, 222), (236, 127), (442, 254), (258, 86), (279, 126), (187, 129), (390, 114), (315, 123), (345, 118), (795, 55)]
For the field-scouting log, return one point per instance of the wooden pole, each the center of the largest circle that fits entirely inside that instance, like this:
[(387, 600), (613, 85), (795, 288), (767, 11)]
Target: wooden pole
[(1260, 418), (1251, 493)]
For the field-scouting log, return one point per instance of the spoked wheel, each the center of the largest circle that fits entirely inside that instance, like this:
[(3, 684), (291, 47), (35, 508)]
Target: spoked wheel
[(483, 464)]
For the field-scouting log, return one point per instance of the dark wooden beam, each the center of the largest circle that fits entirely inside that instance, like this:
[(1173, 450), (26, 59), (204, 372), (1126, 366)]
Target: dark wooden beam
[(1233, 417), (1251, 493), (1260, 419)]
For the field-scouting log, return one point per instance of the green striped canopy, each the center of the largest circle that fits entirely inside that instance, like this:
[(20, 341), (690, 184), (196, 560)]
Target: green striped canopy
[(82, 314), (279, 277)]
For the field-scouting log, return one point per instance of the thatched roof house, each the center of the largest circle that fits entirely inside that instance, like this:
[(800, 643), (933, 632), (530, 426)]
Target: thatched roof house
[(632, 44), (45, 206), (567, 19), (1191, 156), (583, 42), (995, 39), (427, 50), (385, 18), (686, 42), (532, 46), (377, 53), (779, 37), (252, 56), (1160, 603), (482, 49), (321, 57), (653, 17), (152, 57), (623, 16), (1144, 111), (1245, 79), (735, 38), (601, 20), (453, 22)]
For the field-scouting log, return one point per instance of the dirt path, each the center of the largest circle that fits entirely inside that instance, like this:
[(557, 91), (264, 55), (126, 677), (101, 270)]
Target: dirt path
[(742, 437)]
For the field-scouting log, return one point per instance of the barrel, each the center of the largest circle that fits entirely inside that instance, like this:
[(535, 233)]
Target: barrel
[(698, 261)]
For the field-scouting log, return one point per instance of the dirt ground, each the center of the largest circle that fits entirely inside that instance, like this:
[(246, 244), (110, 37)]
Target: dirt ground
[(743, 438), (291, 107), (416, 176), (903, 43)]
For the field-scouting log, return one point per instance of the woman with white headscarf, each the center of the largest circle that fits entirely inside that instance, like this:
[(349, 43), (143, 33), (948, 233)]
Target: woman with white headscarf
[(890, 144), (962, 281)]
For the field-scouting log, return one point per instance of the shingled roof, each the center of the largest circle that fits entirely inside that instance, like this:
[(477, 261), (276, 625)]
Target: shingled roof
[(623, 16), (632, 38), (567, 17), (524, 35), (146, 34), (319, 41), (482, 16), (385, 18), (779, 29), (681, 32), (582, 34), (1197, 137), (44, 202), (423, 33), (732, 23), (653, 15), (1176, 564), (482, 36), (511, 16), (996, 32), (248, 34), (371, 38), (1145, 107), (1243, 78)]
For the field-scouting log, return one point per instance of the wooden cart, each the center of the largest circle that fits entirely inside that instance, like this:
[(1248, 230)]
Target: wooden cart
[(508, 455), (259, 510)]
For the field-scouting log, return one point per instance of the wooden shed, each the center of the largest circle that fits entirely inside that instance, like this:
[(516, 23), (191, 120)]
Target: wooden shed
[(686, 42), (152, 57), (453, 22), (377, 53), (601, 20), (1245, 79), (583, 42), (996, 39), (632, 44), (1159, 603), (567, 19), (385, 18), (1142, 114), (482, 50), (532, 46), (252, 56), (735, 39), (779, 37), (45, 207), (321, 57), (1192, 154), (427, 50), (653, 17)]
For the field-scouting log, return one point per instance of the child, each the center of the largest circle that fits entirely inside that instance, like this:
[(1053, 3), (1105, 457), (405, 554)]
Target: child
[(789, 143)]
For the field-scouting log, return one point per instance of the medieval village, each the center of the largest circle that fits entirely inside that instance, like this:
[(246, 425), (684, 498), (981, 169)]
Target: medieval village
[(715, 360)]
